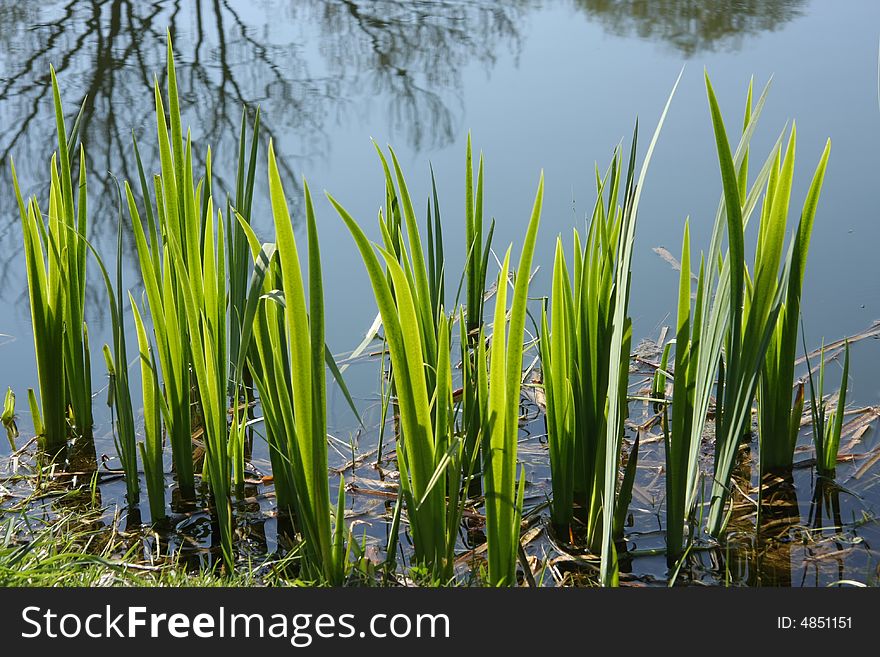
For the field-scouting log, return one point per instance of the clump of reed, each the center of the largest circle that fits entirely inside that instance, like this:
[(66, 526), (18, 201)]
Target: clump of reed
[(436, 461), (175, 225), (585, 352), (758, 301), (56, 272), (503, 489), (191, 271), (191, 288), (701, 330), (577, 361), (778, 418), (418, 334), (224, 314), (288, 369)]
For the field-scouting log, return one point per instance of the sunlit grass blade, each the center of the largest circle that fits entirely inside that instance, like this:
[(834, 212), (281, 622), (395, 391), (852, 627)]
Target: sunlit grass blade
[(477, 247), (424, 425), (826, 426), (679, 438), (778, 419), (503, 495), (117, 365), (289, 371), (238, 252), (619, 351), (151, 446)]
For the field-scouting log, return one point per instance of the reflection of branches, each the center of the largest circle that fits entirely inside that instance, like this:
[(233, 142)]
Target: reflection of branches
[(112, 51), (691, 26), (414, 53), (108, 51)]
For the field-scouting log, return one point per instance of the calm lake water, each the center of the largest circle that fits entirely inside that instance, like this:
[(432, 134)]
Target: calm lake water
[(541, 84)]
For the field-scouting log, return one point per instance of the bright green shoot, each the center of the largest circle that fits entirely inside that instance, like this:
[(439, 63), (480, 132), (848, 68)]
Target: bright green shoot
[(577, 363), (8, 414), (8, 418), (504, 494), (754, 303), (827, 426), (425, 276), (778, 418), (478, 247), (289, 373), (476, 266), (56, 270), (661, 375), (614, 495), (420, 359), (238, 254)]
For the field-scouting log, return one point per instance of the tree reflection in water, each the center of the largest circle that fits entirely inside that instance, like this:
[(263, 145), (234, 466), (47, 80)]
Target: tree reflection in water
[(309, 63), (409, 54), (691, 26)]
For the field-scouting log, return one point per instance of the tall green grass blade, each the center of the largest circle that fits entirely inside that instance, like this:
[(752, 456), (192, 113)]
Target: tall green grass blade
[(408, 333), (832, 441), (124, 437), (620, 340), (289, 373), (776, 415), (151, 447), (503, 496), (827, 427)]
